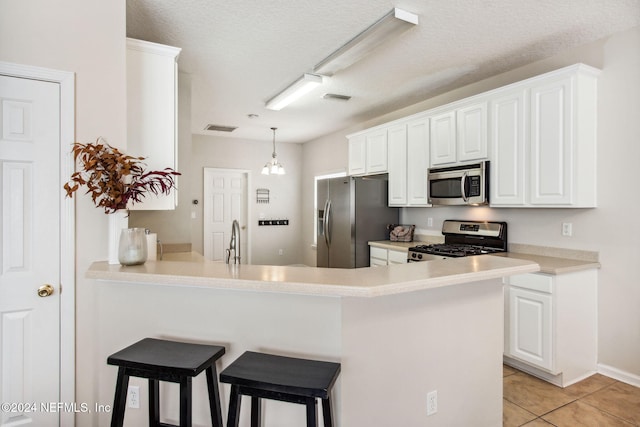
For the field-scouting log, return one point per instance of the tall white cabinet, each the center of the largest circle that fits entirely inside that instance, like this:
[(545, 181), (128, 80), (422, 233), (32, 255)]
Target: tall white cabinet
[(152, 121)]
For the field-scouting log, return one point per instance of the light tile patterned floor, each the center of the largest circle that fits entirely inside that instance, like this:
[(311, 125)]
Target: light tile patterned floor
[(597, 401)]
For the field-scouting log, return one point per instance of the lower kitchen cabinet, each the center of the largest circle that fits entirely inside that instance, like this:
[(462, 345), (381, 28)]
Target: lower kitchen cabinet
[(551, 325), (380, 256)]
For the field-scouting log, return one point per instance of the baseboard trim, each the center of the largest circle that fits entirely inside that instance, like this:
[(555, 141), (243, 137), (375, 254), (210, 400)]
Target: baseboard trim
[(618, 374)]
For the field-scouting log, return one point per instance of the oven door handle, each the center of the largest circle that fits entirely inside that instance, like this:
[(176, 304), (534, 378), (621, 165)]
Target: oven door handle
[(463, 184)]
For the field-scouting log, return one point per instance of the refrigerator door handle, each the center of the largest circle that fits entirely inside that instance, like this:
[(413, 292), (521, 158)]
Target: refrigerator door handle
[(326, 219)]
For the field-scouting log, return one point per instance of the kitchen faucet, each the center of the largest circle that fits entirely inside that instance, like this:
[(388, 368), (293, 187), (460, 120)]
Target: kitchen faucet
[(234, 244)]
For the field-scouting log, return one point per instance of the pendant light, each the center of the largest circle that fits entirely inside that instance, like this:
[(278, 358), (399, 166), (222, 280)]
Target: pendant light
[(273, 167)]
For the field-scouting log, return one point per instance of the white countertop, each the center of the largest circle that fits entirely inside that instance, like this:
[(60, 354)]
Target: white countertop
[(360, 282), (559, 262)]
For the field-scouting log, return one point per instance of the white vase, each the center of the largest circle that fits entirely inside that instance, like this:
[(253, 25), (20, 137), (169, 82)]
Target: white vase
[(117, 221)]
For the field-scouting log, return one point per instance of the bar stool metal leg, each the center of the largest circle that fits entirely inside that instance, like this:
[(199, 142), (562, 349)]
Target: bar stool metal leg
[(233, 417), (312, 412), (256, 411), (120, 399), (185, 402), (327, 416), (154, 403), (214, 396)]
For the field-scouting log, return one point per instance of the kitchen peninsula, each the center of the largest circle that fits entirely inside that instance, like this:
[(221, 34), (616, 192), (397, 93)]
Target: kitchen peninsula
[(399, 331)]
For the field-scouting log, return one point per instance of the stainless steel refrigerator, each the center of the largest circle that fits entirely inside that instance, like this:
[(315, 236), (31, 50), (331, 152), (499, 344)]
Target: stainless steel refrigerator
[(351, 212)]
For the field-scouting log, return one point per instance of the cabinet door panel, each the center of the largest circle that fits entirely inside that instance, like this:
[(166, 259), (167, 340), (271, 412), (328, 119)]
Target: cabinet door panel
[(377, 151), (443, 138), (472, 132), (530, 326), (397, 162), (397, 257), (357, 155), (508, 139), (417, 162), (551, 143)]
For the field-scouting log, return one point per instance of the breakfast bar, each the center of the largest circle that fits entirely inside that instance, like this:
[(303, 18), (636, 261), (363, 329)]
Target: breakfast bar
[(400, 332)]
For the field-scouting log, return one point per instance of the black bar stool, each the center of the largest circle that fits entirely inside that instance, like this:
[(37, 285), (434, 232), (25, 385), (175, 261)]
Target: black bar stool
[(163, 360), (266, 376)]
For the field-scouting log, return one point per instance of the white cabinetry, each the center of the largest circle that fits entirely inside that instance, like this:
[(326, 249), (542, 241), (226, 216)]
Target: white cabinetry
[(539, 134), (368, 152), (398, 165), (381, 256), (551, 325), (543, 137), (377, 256), (459, 135), (408, 162), (443, 138), (508, 136), (152, 111), (357, 155), (530, 320), (471, 121)]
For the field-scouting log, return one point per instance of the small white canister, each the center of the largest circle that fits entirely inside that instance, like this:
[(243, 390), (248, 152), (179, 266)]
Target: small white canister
[(152, 245)]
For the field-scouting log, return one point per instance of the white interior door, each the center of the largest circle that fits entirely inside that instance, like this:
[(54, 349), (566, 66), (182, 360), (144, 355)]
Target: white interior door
[(225, 199), (30, 254)]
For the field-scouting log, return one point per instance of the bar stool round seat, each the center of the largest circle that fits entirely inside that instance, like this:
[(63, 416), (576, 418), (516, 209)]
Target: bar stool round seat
[(287, 379), (172, 361)]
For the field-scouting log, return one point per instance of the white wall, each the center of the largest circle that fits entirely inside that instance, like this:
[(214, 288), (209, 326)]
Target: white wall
[(285, 202), (86, 37), (610, 229)]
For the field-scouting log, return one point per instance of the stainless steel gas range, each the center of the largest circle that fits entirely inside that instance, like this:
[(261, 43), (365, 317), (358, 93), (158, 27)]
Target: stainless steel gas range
[(463, 238)]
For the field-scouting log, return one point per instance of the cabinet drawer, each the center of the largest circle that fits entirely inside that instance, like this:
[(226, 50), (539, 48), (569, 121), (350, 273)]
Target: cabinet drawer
[(375, 262), (397, 257), (535, 282), (378, 253)]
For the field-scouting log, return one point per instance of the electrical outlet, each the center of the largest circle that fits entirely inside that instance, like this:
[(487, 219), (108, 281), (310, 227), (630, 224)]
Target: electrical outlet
[(133, 396), (432, 402), (429, 222), (280, 251), (567, 229)]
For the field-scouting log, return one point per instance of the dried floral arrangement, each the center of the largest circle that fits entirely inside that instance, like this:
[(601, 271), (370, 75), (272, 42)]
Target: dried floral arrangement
[(114, 179)]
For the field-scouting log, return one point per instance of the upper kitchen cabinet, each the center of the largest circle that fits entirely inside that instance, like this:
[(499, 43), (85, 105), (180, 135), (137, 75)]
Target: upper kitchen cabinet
[(409, 162), (368, 152), (543, 138), (459, 133), (152, 111), (508, 141)]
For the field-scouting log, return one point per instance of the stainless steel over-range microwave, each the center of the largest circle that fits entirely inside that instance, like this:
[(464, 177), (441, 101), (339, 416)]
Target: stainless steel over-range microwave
[(459, 185)]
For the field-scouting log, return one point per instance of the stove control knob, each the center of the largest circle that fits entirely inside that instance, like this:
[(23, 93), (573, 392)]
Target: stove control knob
[(419, 256)]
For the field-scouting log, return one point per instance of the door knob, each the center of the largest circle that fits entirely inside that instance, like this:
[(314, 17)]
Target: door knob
[(45, 291)]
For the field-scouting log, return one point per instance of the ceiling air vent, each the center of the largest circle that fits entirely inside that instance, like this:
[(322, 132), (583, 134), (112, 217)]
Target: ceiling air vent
[(221, 128), (336, 96)]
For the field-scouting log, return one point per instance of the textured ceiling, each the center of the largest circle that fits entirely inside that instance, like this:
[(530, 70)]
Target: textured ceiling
[(240, 53)]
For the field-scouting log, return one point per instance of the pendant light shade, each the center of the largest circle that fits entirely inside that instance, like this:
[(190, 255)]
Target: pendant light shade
[(273, 167)]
